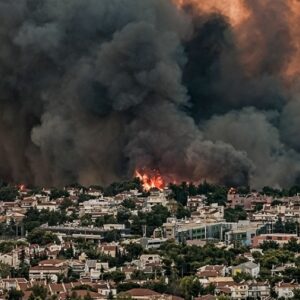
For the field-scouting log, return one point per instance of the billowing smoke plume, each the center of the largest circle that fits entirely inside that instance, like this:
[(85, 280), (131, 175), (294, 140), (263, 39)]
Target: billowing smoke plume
[(91, 90)]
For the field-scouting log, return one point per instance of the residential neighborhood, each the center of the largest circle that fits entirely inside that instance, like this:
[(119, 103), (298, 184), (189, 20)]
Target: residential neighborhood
[(125, 242)]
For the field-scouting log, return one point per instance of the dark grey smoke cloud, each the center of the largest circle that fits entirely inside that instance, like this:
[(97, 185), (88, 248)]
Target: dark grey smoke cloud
[(91, 90)]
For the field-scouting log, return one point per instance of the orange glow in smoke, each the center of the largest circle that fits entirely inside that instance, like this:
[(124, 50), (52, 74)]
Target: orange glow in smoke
[(150, 179), (241, 17), (234, 10)]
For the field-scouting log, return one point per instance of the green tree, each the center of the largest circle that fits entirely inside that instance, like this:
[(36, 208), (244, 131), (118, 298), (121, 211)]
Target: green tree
[(292, 245), (4, 270), (129, 203), (235, 214), (117, 276), (190, 287), (38, 292), (180, 192), (134, 250), (14, 294), (8, 193), (85, 197), (7, 246), (123, 216), (138, 275), (66, 203), (56, 193), (126, 286), (182, 212), (42, 237), (119, 187), (112, 236), (296, 294), (240, 276), (266, 245), (157, 286), (278, 226)]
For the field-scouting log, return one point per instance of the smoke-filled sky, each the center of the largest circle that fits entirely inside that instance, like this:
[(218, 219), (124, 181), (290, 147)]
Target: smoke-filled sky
[(91, 90)]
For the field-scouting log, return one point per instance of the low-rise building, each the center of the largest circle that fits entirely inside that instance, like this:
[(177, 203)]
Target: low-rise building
[(248, 267), (51, 269), (11, 259), (286, 290), (280, 238)]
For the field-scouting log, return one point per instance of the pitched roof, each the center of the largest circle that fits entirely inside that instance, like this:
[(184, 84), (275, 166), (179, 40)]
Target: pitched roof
[(248, 265), (138, 292)]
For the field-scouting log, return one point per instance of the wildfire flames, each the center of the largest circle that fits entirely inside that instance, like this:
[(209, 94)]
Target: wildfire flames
[(150, 179), (22, 187)]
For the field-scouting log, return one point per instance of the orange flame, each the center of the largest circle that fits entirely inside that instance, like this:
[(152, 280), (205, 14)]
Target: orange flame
[(22, 187), (151, 179)]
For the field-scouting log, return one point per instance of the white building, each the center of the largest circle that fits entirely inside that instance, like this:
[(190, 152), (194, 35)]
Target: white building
[(11, 259), (286, 290), (248, 267), (156, 198)]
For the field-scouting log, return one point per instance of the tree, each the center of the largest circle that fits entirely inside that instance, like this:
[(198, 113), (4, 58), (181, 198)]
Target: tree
[(117, 276), (85, 197), (126, 286), (66, 203), (84, 287), (8, 193), (292, 245), (293, 273), (276, 202), (119, 187), (14, 294), (219, 195), (123, 216), (180, 192), (42, 237), (35, 218), (56, 193), (157, 286), (235, 214), (38, 292), (290, 227), (278, 226), (134, 250), (182, 212), (294, 190), (296, 294), (138, 275), (4, 270), (7, 246), (129, 203), (266, 245), (190, 287), (240, 276), (112, 235)]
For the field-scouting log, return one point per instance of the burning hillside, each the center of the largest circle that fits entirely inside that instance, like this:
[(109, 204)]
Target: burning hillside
[(92, 91), (150, 179)]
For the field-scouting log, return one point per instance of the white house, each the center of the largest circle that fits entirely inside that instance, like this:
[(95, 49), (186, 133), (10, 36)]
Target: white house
[(286, 290), (247, 267)]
